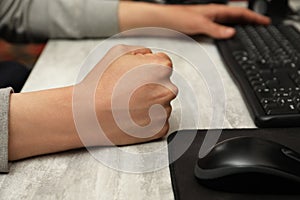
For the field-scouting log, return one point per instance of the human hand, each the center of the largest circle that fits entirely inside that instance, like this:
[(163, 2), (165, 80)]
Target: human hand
[(133, 80), (46, 121), (189, 19)]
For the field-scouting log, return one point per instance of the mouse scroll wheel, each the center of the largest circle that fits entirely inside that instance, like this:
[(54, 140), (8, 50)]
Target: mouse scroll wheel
[(291, 154)]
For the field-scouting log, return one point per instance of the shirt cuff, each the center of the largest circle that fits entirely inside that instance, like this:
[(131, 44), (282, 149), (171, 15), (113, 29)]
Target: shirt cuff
[(4, 109)]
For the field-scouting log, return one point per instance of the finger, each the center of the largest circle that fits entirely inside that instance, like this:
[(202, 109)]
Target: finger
[(170, 92), (216, 30), (141, 50), (173, 90), (160, 59), (168, 110), (163, 55), (122, 49), (227, 14), (166, 59)]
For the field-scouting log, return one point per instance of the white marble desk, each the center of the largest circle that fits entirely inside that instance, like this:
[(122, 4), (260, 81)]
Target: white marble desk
[(76, 174)]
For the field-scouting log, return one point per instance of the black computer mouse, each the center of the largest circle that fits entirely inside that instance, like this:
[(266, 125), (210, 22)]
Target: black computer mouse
[(251, 165)]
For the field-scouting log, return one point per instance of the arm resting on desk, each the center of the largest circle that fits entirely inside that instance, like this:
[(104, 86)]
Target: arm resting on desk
[(43, 122)]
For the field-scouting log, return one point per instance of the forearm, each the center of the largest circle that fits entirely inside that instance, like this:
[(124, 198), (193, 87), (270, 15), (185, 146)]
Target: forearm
[(176, 17), (140, 14), (41, 122)]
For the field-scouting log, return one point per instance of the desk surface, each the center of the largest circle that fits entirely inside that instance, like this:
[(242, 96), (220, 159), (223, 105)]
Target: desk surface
[(76, 174)]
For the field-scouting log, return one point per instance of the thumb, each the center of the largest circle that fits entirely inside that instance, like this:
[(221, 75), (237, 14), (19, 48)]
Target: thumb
[(217, 31)]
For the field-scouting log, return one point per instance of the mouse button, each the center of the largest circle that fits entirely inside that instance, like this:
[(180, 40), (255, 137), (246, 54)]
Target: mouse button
[(241, 152), (224, 161), (223, 154), (216, 157), (211, 161)]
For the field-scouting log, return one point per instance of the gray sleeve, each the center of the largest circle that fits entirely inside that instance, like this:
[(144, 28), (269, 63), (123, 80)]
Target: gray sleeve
[(37, 20), (4, 106)]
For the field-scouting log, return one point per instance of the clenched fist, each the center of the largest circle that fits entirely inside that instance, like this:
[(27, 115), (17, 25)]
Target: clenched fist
[(132, 92)]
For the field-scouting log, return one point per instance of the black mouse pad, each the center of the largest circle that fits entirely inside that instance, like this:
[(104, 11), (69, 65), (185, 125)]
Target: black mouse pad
[(185, 185)]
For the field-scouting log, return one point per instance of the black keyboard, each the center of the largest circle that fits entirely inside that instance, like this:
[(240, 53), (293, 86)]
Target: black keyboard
[(265, 61)]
